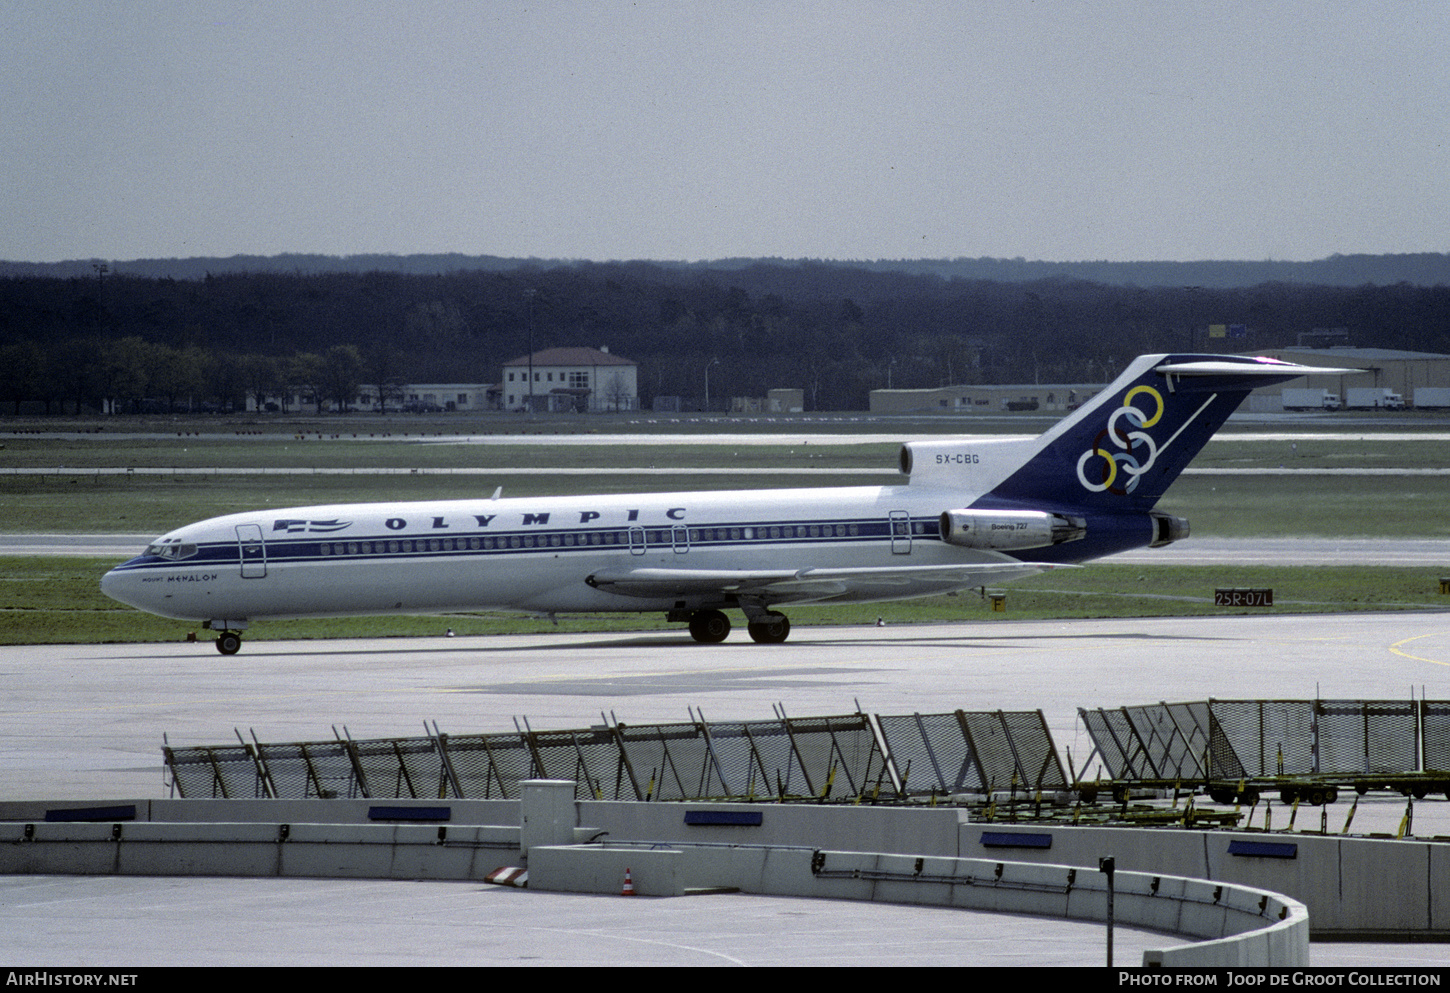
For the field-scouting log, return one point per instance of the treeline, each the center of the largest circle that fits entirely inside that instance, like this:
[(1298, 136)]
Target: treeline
[(1419, 268), (836, 331)]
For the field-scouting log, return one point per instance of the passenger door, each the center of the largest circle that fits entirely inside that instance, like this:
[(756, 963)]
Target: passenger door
[(253, 551)]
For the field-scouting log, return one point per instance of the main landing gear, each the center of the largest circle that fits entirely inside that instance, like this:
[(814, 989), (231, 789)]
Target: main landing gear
[(768, 627)]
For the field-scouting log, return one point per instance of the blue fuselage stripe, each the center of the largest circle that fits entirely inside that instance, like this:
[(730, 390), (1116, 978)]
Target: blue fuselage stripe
[(680, 537)]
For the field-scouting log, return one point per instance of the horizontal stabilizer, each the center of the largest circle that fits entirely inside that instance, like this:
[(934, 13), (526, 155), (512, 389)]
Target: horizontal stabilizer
[(1259, 367)]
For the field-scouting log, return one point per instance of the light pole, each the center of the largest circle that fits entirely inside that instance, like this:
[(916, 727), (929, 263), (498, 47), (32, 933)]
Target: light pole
[(1106, 865), (530, 401), (714, 361)]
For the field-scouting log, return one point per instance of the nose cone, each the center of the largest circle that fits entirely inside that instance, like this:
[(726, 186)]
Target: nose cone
[(123, 583)]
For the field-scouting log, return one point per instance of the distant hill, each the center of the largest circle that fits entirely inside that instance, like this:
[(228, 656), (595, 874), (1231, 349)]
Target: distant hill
[(1418, 269)]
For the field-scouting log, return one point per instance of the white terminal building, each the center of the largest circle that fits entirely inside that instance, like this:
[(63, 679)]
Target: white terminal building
[(582, 379), (564, 379)]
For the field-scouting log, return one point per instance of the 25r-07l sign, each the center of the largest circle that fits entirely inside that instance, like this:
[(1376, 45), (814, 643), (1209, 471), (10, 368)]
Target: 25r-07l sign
[(1243, 598)]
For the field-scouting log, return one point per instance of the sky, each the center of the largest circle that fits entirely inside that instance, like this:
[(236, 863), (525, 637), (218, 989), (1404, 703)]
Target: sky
[(687, 130)]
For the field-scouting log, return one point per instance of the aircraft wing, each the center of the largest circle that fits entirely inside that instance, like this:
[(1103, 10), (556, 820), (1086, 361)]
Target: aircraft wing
[(801, 585)]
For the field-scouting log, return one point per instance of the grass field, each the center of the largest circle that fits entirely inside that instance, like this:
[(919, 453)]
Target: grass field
[(69, 498), (57, 599)]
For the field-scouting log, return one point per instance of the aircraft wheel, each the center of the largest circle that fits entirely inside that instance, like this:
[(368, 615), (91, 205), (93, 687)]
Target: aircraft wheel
[(771, 631), (709, 627), (229, 643)]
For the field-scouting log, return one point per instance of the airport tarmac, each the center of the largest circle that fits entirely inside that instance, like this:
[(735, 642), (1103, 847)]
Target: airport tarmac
[(87, 721)]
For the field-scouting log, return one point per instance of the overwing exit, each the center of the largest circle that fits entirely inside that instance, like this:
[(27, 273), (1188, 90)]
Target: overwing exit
[(970, 512)]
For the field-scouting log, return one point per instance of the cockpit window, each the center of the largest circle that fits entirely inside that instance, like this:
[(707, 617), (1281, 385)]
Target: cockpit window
[(172, 548)]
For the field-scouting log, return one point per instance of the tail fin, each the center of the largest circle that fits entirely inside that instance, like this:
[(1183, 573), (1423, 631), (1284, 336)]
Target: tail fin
[(1126, 446)]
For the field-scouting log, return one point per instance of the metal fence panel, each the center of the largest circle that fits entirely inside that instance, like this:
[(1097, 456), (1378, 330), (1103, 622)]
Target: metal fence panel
[(1435, 734), (216, 771), (930, 754), (589, 757), (1035, 752), (321, 769), (1171, 749), (1118, 744), (666, 762), (990, 743), (831, 758), (839, 754), (784, 773), (490, 766), (736, 764), (1223, 759), (1356, 736), (1269, 737), (399, 768)]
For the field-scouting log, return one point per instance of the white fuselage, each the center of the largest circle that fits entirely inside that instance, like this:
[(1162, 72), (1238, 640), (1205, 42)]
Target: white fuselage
[(528, 554)]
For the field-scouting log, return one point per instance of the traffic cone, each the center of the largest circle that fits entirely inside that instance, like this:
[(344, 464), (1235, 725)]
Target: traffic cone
[(628, 885)]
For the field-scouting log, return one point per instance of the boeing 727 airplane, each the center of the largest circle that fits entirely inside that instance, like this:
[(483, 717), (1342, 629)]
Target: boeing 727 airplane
[(971, 512)]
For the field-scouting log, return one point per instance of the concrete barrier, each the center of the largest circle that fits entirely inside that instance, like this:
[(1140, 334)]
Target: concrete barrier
[(354, 811), (1241, 925), (1354, 887), (1361, 889), (359, 851)]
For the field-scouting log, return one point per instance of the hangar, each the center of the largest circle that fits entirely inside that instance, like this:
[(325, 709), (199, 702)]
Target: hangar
[(1404, 373)]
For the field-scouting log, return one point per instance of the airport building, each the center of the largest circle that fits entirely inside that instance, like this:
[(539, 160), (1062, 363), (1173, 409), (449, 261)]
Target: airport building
[(1419, 379), (780, 401), (564, 379), (420, 398), (996, 399), (1391, 379)]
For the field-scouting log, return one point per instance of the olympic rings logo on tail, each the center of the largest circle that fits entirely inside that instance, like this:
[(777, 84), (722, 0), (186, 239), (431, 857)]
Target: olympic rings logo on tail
[(1135, 451)]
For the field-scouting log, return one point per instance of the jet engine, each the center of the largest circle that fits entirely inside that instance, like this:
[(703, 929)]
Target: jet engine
[(1167, 529), (1009, 530)]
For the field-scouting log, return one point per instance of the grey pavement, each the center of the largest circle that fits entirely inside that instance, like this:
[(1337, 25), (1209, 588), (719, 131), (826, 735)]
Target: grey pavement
[(87, 722)]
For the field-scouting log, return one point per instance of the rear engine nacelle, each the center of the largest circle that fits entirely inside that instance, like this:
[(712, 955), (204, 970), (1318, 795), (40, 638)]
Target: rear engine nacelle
[(1167, 529), (1009, 530)]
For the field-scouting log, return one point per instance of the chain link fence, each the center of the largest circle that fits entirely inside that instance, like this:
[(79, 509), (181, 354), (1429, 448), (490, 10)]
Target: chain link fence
[(847, 758), (1237, 739)]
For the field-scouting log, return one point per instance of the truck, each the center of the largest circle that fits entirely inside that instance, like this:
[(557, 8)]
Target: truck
[(1310, 400), (1432, 396), (1373, 398)]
